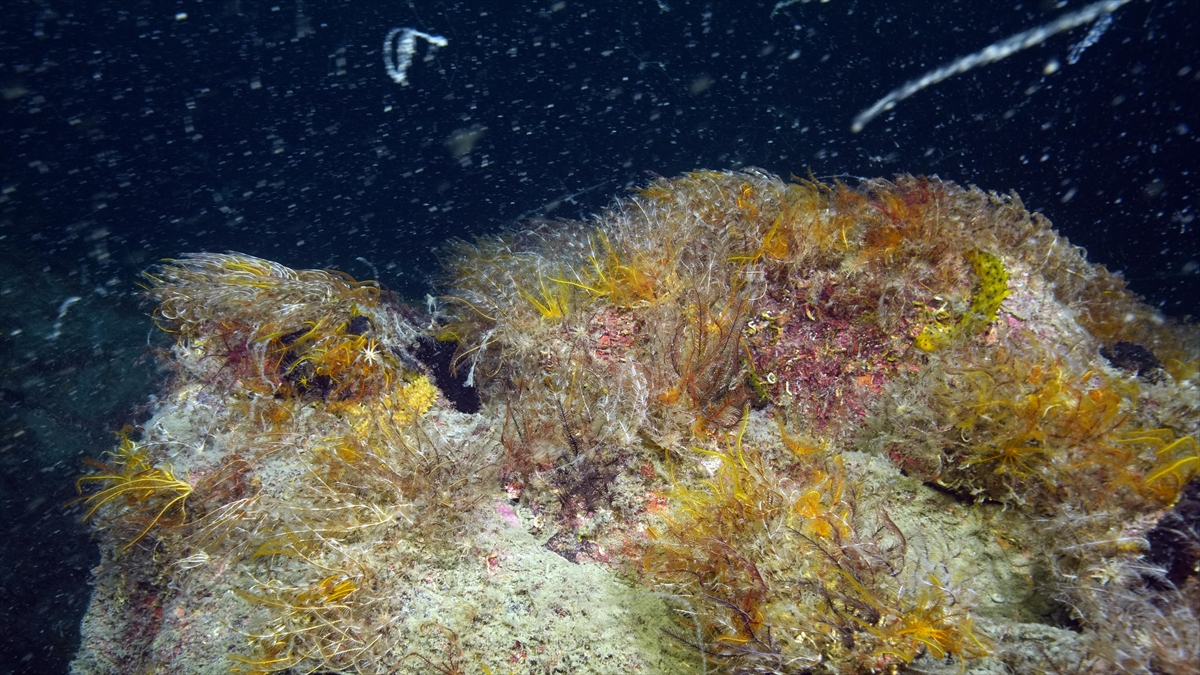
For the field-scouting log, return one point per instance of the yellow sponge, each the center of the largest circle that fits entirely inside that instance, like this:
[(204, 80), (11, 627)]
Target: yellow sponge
[(990, 291)]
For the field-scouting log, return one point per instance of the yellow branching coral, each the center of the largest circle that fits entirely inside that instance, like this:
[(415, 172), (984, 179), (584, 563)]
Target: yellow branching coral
[(552, 300), (769, 553), (307, 626), (138, 495), (823, 511), (639, 281), (1154, 462), (1180, 468), (927, 623)]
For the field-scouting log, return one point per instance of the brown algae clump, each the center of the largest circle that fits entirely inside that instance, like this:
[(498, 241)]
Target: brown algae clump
[(731, 424)]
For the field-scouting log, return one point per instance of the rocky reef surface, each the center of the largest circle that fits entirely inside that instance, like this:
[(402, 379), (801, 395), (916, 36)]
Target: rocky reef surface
[(731, 424)]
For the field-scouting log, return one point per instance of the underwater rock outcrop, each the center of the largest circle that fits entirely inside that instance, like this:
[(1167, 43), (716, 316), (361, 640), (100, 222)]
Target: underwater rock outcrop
[(731, 423)]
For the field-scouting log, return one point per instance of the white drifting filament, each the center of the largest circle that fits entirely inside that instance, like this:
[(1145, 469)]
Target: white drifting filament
[(992, 53), (398, 51), (1090, 39)]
